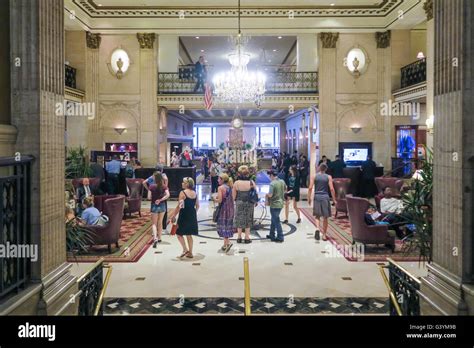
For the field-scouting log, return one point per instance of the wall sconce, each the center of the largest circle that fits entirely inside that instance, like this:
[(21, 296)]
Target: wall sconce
[(356, 61), (420, 55), (119, 63), (120, 130), (356, 129), (430, 124)]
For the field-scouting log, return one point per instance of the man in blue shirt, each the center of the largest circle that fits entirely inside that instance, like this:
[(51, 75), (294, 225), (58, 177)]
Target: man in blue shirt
[(90, 215), (113, 170)]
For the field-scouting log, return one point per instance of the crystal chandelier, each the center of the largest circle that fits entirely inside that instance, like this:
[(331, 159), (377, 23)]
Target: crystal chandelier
[(239, 85)]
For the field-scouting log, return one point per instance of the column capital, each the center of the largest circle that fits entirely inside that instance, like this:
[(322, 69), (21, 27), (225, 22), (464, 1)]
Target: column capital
[(383, 39), (329, 39), (428, 7), (146, 40), (93, 40)]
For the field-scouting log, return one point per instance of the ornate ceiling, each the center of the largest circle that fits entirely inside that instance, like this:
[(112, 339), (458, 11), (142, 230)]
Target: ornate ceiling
[(217, 16)]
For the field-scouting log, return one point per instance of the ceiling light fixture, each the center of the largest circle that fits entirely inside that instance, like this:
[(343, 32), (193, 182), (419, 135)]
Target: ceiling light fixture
[(280, 37), (197, 37), (238, 84)]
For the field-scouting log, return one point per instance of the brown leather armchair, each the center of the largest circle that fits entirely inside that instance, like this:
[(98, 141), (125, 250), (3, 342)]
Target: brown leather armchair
[(99, 201), (341, 186), (110, 233), (134, 199), (382, 183), (363, 233)]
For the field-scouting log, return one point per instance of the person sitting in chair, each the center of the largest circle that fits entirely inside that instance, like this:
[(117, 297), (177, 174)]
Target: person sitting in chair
[(390, 204), (91, 214), (84, 191)]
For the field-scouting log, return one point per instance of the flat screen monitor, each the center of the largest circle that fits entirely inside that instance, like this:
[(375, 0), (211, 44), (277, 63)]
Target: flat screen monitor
[(355, 154)]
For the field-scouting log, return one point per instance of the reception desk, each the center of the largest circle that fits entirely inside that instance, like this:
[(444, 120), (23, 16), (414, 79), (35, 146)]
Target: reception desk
[(175, 177), (355, 174)]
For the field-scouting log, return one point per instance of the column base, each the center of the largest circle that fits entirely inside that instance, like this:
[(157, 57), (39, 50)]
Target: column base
[(442, 293)]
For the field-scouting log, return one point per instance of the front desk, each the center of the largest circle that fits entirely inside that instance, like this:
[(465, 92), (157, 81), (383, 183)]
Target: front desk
[(175, 177)]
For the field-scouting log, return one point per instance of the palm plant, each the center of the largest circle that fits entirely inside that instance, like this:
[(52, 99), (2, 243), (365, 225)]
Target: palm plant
[(418, 209), (77, 165), (78, 238)]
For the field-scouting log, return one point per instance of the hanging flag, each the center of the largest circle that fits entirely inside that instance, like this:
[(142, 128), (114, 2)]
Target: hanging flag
[(208, 97)]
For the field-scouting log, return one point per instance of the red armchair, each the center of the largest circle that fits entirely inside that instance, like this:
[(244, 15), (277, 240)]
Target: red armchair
[(395, 184), (99, 201), (341, 186), (110, 233), (134, 199), (363, 233)]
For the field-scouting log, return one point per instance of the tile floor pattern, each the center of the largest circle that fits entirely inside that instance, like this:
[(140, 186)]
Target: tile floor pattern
[(235, 306)]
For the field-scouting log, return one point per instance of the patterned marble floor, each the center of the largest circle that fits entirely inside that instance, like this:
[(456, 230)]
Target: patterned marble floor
[(235, 306)]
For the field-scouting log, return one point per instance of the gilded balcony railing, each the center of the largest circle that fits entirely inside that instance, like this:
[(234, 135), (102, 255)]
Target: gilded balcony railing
[(184, 82), (413, 73)]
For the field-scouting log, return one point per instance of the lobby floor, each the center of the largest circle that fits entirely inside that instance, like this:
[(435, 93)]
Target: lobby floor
[(301, 267)]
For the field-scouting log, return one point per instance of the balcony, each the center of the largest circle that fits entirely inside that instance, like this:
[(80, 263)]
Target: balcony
[(284, 82), (413, 82)]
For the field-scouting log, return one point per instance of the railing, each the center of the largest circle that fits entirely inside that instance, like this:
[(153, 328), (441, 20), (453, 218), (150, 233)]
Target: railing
[(15, 191), (70, 76), (403, 290), (277, 82), (413, 73), (248, 309), (93, 287)]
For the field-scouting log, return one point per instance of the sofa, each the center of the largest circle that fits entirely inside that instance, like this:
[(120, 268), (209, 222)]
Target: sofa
[(363, 233), (110, 233), (341, 186)]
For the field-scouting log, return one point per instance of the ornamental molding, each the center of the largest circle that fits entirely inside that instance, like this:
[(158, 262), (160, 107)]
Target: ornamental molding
[(74, 95), (106, 106), (383, 39), (428, 7), (93, 40), (93, 10), (329, 40), (146, 40), (411, 93)]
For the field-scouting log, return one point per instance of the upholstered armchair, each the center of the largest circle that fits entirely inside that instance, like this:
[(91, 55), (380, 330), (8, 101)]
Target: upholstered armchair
[(134, 199), (395, 184), (110, 233), (341, 186), (363, 233), (93, 183)]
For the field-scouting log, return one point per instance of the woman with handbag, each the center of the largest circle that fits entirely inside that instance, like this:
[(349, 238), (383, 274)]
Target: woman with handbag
[(159, 195), (187, 220), (293, 194), (241, 194), (224, 213)]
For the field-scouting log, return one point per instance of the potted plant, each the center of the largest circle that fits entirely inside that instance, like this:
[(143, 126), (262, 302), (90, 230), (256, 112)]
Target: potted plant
[(77, 164)]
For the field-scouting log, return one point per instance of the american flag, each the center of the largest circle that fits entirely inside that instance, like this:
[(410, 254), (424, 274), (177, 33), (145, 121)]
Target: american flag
[(208, 97)]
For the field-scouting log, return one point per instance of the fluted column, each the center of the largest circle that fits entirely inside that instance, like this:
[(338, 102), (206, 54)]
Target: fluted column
[(430, 46), (327, 95), (94, 137), (37, 38), (149, 125), (448, 287)]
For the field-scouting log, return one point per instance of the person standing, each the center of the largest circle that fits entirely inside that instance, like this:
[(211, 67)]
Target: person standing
[(368, 178), (337, 167), (200, 73), (187, 221), (113, 170), (293, 194), (243, 218), (225, 220), (286, 166), (159, 195), (324, 160), (215, 171), (323, 186), (276, 200), (304, 171)]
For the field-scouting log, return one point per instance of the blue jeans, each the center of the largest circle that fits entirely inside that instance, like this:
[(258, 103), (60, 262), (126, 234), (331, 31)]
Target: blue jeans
[(276, 224)]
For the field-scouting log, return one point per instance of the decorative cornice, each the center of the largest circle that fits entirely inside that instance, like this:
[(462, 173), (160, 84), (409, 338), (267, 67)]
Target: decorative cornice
[(428, 7), (93, 40), (74, 95), (329, 39), (146, 40), (383, 39)]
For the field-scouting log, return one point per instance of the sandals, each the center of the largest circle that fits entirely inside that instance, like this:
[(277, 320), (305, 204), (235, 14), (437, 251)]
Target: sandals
[(247, 241), (239, 240), (189, 255), (183, 254)]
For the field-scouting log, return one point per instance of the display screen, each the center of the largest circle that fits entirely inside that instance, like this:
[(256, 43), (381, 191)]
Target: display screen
[(352, 155)]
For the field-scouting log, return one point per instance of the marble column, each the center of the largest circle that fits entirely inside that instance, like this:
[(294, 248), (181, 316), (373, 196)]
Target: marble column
[(384, 94), (37, 39), (448, 288), (94, 135), (430, 47), (149, 125), (327, 95)]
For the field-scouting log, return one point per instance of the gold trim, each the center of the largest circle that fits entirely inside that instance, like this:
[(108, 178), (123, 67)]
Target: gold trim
[(390, 292), (104, 288), (248, 310), (329, 40), (146, 40)]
